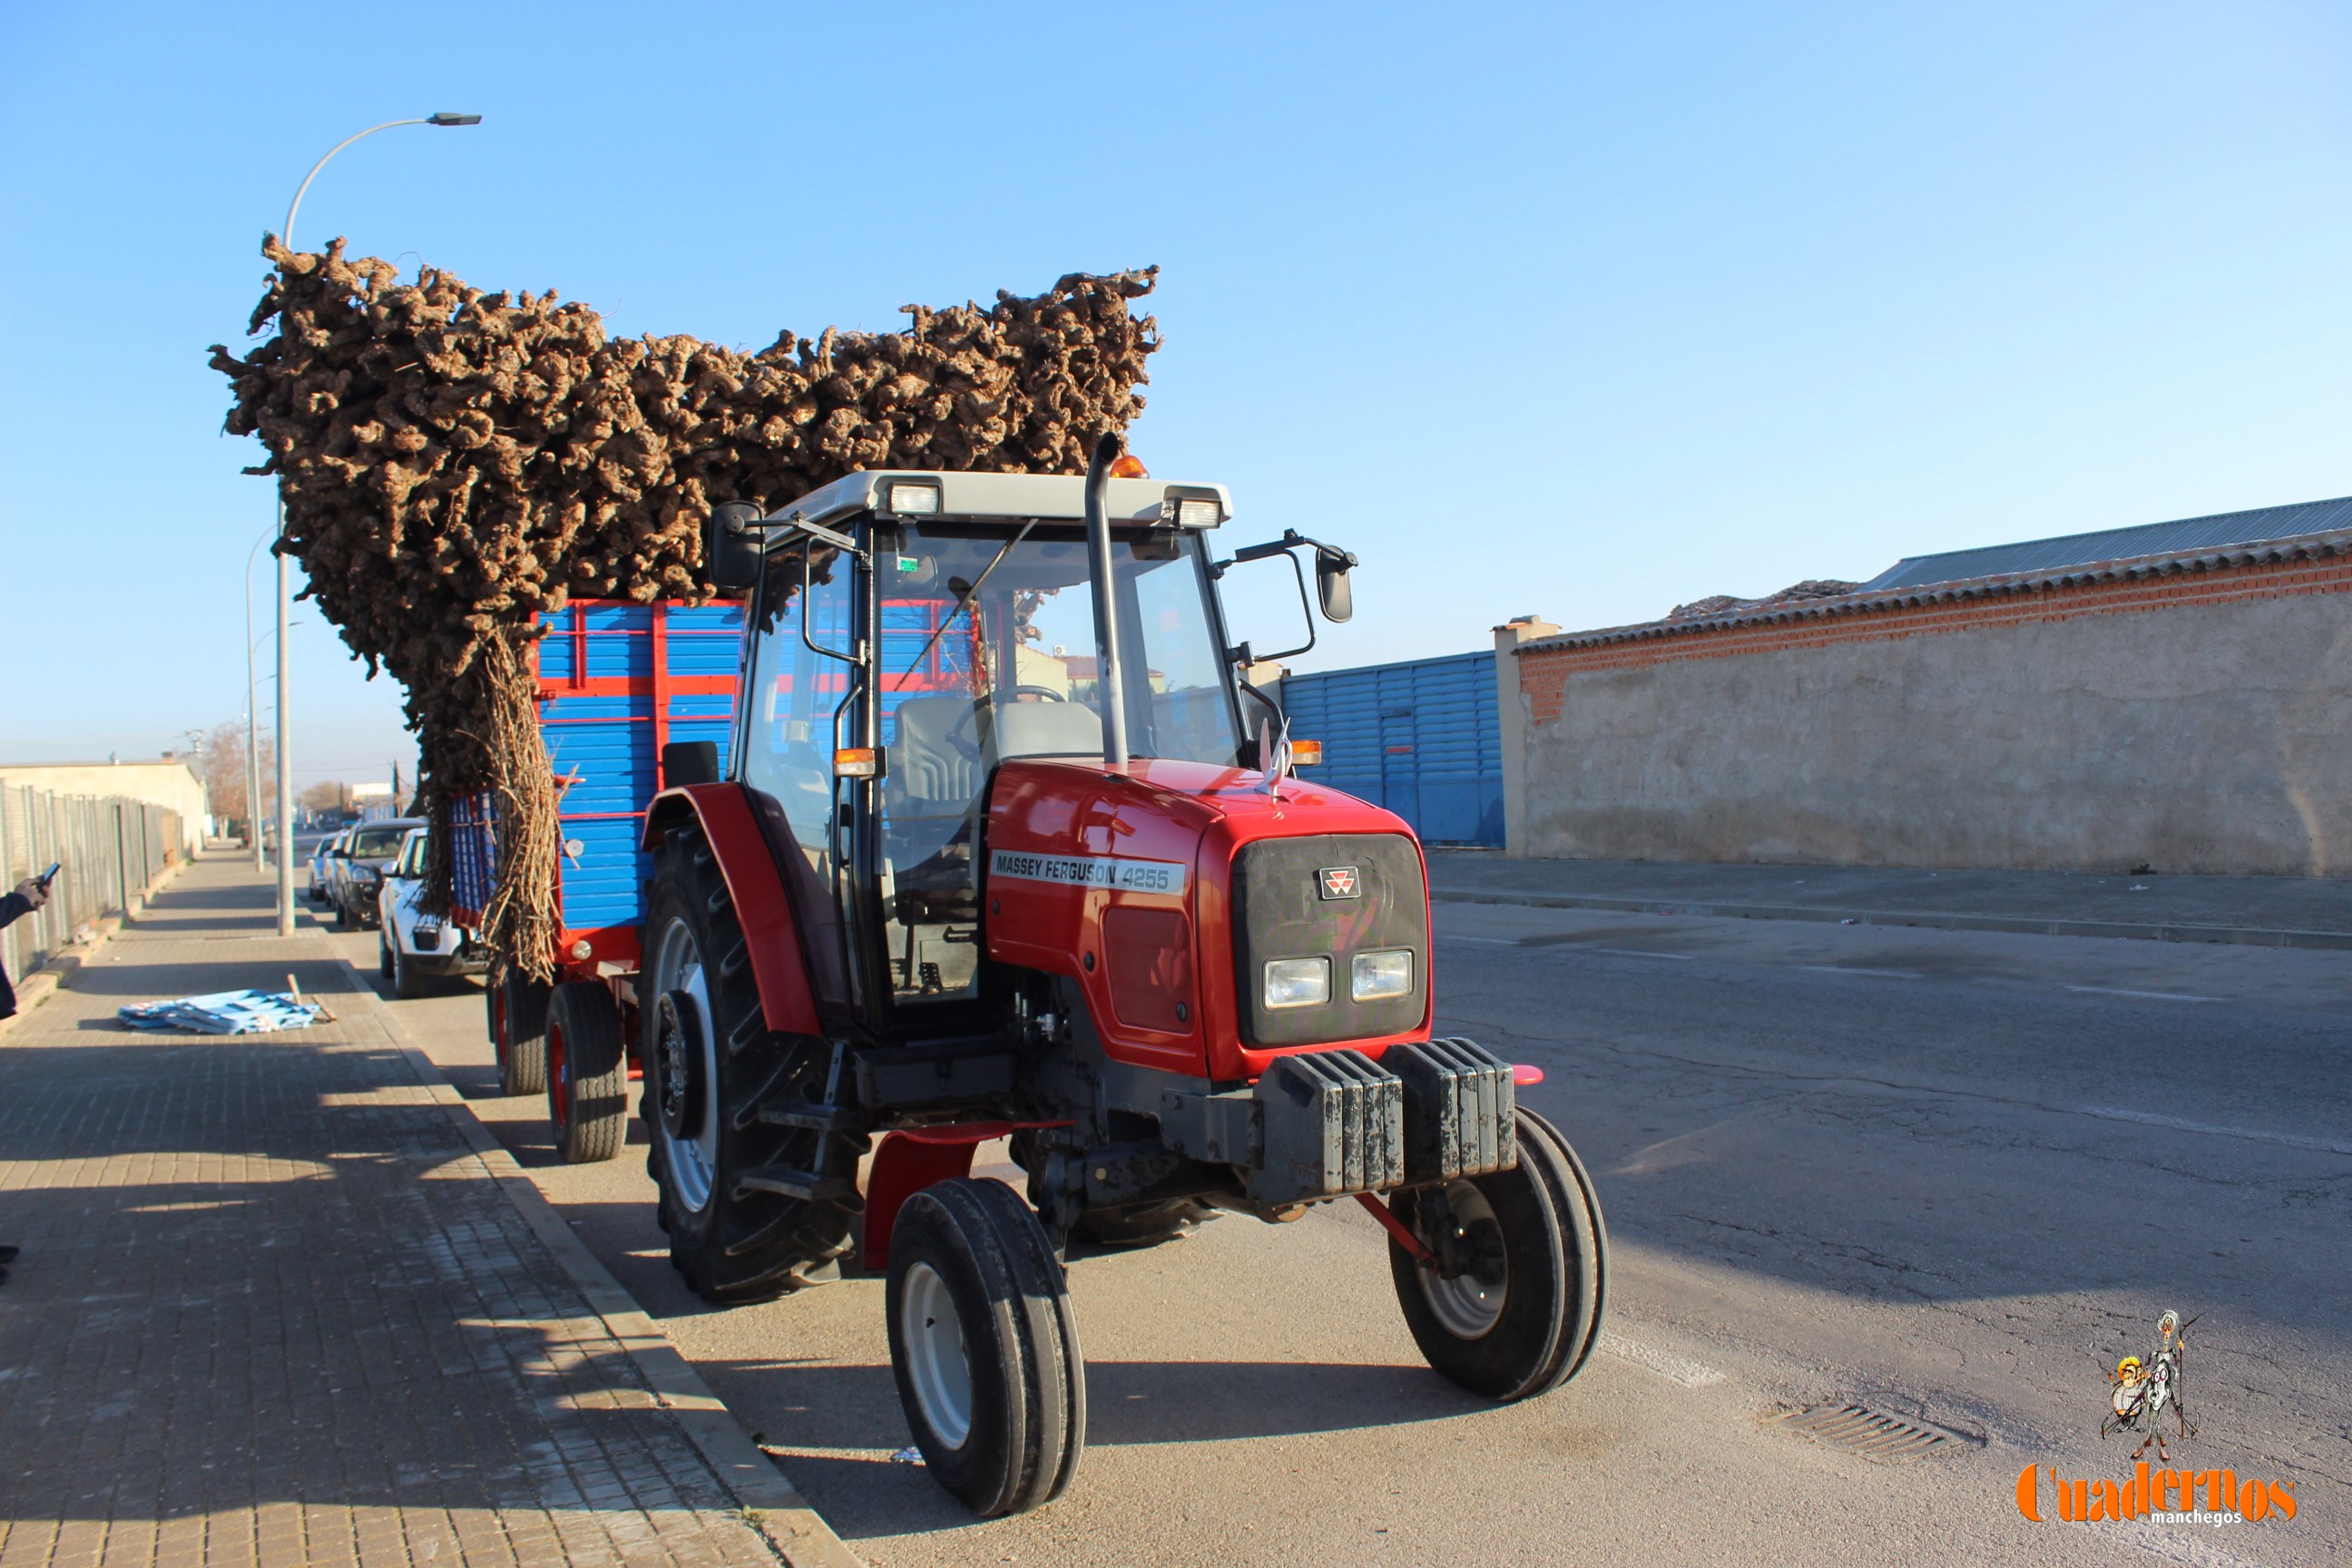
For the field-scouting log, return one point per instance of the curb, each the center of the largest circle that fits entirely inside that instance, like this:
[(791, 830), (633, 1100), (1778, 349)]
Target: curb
[(2248, 936), (36, 987), (800, 1535)]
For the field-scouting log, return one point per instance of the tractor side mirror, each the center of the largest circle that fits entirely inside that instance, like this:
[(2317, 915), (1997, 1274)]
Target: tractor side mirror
[(732, 546), (1331, 584)]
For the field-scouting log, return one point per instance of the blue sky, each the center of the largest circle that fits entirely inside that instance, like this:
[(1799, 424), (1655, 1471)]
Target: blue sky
[(1582, 311)]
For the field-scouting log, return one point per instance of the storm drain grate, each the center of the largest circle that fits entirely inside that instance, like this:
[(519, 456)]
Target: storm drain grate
[(1872, 1434)]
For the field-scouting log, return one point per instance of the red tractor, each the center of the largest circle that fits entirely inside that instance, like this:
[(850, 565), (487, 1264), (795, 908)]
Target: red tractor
[(1041, 880)]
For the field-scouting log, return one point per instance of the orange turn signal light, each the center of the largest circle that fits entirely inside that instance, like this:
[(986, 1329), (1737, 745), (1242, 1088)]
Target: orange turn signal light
[(858, 763), (1305, 753), (1129, 466)]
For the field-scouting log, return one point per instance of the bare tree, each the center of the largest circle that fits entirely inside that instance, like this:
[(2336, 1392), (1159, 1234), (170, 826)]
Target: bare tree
[(220, 758)]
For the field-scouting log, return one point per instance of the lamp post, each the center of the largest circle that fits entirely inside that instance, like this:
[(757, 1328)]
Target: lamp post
[(285, 581), (252, 714)]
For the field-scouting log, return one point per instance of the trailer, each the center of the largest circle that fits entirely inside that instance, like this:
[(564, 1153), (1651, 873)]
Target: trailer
[(632, 699)]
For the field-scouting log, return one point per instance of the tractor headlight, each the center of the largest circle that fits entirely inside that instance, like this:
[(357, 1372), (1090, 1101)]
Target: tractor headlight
[(1297, 982), (1377, 977)]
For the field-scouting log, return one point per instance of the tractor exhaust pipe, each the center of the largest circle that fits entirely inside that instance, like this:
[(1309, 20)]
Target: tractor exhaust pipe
[(1109, 689)]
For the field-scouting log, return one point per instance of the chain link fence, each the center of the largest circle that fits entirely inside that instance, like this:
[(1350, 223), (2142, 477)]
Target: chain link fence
[(109, 850)]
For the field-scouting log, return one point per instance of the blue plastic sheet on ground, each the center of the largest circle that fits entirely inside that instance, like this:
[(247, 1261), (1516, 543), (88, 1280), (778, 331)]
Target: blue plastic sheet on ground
[(225, 1013)]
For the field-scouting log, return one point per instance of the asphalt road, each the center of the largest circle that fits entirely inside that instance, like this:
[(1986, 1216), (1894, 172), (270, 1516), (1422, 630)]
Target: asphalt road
[(1951, 1176)]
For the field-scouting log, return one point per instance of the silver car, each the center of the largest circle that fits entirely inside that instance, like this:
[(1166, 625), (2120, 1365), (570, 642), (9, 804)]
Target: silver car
[(413, 947)]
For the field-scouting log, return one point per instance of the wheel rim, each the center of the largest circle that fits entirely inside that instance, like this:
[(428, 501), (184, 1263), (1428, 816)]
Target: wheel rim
[(690, 1154), (1470, 1303), (937, 1364)]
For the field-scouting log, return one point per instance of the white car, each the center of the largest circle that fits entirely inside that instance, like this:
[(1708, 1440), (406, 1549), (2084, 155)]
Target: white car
[(415, 947)]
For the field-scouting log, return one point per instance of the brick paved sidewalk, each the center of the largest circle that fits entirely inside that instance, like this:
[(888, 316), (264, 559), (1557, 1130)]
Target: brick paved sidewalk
[(273, 1307)]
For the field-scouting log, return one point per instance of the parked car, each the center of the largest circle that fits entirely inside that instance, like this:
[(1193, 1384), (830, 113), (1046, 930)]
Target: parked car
[(358, 871), (320, 858), (413, 947)]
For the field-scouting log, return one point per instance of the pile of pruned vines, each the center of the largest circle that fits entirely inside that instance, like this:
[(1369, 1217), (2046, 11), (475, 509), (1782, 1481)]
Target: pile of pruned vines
[(454, 462)]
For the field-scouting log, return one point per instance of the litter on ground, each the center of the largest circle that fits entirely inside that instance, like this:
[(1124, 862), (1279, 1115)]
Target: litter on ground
[(226, 1013)]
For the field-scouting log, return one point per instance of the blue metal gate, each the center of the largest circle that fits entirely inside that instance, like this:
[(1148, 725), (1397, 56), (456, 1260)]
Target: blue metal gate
[(1419, 739)]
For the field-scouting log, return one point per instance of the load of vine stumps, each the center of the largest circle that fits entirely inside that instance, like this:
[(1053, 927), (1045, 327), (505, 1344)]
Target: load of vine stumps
[(453, 463)]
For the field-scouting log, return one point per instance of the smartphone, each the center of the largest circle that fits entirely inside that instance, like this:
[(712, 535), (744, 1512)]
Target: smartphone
[(46, 878)]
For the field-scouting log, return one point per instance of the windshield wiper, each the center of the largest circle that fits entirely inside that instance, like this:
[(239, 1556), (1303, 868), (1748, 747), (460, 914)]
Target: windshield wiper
[(964, 601)]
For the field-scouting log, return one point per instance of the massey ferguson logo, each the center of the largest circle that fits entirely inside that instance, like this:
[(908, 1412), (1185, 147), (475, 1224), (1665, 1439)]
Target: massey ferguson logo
[(1340, 883)]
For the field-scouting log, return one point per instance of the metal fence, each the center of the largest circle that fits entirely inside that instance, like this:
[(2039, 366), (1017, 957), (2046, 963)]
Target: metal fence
[(109, 852)]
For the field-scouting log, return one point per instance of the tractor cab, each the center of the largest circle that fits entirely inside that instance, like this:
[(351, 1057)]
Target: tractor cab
[(914, 633)]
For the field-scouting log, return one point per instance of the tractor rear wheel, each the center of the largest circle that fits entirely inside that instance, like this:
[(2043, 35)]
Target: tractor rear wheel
[(518, 1024), (587, 1073), (753, 1207), (985, 1347), (1515, 1304)]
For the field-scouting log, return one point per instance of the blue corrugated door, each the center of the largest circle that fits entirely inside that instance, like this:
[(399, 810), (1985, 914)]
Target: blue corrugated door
[(1419, 739)]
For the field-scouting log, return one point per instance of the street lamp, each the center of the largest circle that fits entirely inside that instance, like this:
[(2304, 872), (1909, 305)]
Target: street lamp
[(284, 583)]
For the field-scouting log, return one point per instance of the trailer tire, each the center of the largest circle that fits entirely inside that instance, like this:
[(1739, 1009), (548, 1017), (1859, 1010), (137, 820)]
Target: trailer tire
[(985, 1346), (1520, 1319), (587, 1073), (518, 1027), (717, 1066)]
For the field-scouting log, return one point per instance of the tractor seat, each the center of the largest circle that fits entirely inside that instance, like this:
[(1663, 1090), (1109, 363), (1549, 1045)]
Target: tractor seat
[(935, 777)]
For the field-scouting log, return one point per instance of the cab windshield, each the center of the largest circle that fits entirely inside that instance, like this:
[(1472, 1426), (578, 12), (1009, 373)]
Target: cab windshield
[(986, 652)]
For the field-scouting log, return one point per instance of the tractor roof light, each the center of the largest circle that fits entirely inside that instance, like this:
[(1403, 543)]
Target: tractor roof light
[(1129, 466), (911, 498)]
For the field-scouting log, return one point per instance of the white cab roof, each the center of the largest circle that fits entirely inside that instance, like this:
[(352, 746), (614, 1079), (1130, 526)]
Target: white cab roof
[(1049, 496)]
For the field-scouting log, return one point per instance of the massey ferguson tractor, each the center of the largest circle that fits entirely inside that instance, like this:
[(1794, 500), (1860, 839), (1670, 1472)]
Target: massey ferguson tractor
[(1006, 847)]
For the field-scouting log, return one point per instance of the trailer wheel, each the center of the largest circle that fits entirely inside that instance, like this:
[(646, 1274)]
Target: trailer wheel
[(985, 1346), (712, 1065), (587, 1072), (518, 1023), (1516, 1304)]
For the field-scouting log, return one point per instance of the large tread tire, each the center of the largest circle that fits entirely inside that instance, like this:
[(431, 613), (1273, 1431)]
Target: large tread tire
[(972, 1247), (518, 1029), (1593, 1274), (731, 1243), (587, 1073), (1542, 1225)]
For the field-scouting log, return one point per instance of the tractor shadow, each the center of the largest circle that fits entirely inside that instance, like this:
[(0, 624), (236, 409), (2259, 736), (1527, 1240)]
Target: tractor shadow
[(844, 1420)]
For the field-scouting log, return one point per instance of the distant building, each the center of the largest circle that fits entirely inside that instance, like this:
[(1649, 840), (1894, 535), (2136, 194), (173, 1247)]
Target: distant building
[(170, 782), (2177, 696)]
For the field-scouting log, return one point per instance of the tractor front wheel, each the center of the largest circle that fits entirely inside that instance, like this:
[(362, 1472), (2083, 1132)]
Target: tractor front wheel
[(1513, 1304), (985, 1347), (587, 1072)]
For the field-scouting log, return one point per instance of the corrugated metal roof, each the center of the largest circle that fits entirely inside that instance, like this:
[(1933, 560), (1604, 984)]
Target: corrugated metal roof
[(2316, 546), (2188, 535)]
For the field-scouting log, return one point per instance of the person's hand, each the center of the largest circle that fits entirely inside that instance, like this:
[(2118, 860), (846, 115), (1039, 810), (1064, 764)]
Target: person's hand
[(32, 892)]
